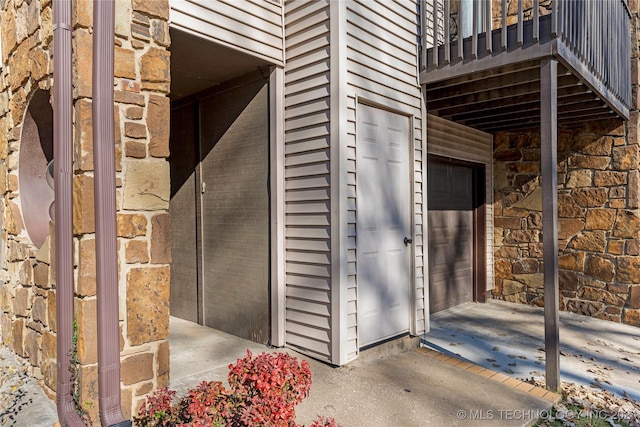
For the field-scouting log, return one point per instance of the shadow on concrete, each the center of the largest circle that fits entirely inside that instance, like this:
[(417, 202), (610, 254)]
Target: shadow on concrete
[(509, 338)]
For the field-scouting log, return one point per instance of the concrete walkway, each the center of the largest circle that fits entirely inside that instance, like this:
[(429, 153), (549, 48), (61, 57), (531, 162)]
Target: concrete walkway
[(22, 401), (412, 388), (509, 338)]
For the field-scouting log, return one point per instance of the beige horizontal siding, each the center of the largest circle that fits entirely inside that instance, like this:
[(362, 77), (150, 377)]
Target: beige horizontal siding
[(250, 26), (382, 52), (307, 183)]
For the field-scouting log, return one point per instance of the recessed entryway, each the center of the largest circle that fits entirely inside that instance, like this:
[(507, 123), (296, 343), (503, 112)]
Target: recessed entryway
[(459, 214), (456, 232), (220, 198)]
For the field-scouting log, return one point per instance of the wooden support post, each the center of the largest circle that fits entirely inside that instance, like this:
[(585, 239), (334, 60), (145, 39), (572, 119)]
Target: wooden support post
[(549, 167)]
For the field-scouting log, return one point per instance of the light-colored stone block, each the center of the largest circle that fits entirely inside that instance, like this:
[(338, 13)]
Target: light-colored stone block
[(147, 185), (154, 65), (83, 205), (123, 18), (579, 178), (532, 202), (157, 8)]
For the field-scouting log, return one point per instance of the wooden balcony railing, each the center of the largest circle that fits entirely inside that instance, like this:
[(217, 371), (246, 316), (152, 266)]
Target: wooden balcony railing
[(597, 33)]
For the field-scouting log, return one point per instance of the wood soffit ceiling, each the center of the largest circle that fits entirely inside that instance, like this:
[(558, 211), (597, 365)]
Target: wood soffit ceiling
[(198, 64), (508, 99)]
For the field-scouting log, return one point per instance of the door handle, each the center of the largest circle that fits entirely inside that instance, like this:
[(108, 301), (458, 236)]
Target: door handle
[(407, 241)]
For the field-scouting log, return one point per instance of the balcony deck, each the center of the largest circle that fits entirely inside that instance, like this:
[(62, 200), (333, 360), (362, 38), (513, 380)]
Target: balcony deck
[(491, 81)]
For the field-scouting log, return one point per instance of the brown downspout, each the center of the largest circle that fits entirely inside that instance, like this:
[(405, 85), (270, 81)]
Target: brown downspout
[(105, 216), (63, 155)]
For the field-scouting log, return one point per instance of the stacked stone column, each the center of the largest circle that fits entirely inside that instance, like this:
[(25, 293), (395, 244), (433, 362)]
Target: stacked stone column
[(141, 113), (141, 109)]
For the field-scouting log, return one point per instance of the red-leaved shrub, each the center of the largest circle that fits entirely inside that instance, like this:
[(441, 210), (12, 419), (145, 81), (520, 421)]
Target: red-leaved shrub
[(263, 391)]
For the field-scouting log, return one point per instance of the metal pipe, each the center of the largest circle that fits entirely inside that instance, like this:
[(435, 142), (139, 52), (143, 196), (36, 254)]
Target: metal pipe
[(63, 155), (105, 216)]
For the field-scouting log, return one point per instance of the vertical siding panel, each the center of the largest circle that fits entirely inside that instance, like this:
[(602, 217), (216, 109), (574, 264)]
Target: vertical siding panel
[(382, 68), (307, 182), (252, 26)]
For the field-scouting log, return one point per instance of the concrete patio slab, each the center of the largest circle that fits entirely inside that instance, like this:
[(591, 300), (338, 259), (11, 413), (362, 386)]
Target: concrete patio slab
[(509, 338), (22, 401), (406, 389), (411, 388)]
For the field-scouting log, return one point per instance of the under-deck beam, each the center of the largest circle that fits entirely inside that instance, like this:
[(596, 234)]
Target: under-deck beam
[(451, 111), (549, 168), (495, 94)]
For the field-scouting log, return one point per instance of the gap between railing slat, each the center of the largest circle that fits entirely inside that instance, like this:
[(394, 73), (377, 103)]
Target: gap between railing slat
[(536, 21), (460, 38), (554, 18), (602, 45), (474, 29), (503, 31), (591, 51), (487, 27), (435, 34), (447, 31), (423, 35), (520, 38)]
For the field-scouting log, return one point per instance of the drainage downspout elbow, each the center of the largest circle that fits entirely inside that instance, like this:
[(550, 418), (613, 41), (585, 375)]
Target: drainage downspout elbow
[(63, 155), (105, 216)]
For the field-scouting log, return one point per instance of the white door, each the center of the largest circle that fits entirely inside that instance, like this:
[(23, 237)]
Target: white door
[(382, 224)]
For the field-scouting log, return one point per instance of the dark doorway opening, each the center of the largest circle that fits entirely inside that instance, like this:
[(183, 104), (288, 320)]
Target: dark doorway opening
[(220, 273), (457, 238)]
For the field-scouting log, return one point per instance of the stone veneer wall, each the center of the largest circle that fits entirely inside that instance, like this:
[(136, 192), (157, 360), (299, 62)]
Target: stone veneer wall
[(599, 225), (27, 290), (142, 133), (598, 215)]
